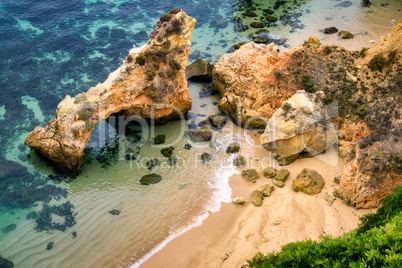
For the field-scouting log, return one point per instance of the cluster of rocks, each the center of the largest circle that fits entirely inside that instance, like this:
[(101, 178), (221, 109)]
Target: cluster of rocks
[(307, 181)]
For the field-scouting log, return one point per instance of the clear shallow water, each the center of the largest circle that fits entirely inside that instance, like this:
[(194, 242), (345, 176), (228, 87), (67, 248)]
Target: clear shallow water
[(49, 49)]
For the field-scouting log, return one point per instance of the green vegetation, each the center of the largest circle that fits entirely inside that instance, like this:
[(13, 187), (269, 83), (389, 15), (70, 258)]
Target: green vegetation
[(140, 60), (377, 63), (361, 111), (286, 107), (363, 52), (308, 83), (150, 75), (174, 65), (79, 98), (376, 243), (129, 58), (327, 50)]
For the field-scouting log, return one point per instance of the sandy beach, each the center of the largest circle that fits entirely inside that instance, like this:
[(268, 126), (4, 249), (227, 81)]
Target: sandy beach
[(236, 233)]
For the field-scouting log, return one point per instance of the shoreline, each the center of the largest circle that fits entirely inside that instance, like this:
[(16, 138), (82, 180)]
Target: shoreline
[(236, 233)]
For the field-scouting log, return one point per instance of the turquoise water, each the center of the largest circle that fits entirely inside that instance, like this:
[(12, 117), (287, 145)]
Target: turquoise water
[(50, 49)]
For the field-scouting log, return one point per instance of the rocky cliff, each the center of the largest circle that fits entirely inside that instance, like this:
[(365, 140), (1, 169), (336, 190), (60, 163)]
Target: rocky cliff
[(150, 84), (363, 92)]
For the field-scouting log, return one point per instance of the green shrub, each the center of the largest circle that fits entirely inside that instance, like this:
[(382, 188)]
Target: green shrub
[(361, 111), (308, 83), (174, 65), (327, 50), (363, 52), (377, 63), (286, 106)]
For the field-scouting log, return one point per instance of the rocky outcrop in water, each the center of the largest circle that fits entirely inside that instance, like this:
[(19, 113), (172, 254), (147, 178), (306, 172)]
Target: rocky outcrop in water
[(150, 85), (301, 125)]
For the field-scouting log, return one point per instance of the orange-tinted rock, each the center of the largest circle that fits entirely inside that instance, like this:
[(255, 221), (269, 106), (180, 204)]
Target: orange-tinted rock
[(150, 84)]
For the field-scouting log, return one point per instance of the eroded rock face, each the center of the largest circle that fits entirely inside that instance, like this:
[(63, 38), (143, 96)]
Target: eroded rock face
[(301, 125), (250, 90), (150, 84)]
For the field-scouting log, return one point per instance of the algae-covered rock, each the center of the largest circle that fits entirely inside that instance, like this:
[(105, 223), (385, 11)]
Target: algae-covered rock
[(256, 198), (206, 157), (234, 147), (269, 172), (345, 35), (282, 175), (309, 182), (150, 179), (115, 212), (257, 24), (187, 146), (250, 175), (330, 30), (167, 152), (267, 188), (239, 200), (239, 161), (153, 163), (160, 139), (9, 228), (260, 39)]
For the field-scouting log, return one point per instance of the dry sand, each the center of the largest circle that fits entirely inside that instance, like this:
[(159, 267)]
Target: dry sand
[(236, 233)]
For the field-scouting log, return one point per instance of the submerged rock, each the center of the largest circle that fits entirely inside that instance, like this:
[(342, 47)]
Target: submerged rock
[(153, 163), (344, 4), (150, 84), (301, 125), (234, 147), (256, 198), (114, 212), (49, 246), (239, 200), (9, 228), (150, 179), (257, 24), (4, 263), (167, 152), (207, 91), (330, 30), (345, 35), (160, 139), (199, 70), (309, 182)]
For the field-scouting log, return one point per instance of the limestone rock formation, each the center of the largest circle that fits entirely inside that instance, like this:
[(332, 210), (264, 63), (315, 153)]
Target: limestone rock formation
[(250, 90), (150, 84), (301, 125), (309, 182)]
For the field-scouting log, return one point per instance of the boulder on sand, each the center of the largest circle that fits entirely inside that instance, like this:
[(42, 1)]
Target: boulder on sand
[(309, 182)]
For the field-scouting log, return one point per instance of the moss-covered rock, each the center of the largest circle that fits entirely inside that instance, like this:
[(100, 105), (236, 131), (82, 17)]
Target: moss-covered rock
[(271, 18), (167, 152), (257, 24), (269, 172), (345, 35), (308, 181), (150, 179), (256, 198), (160, 139), (115, 212), (330, 30), (250, 175), (234, 147), (282, 175)]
